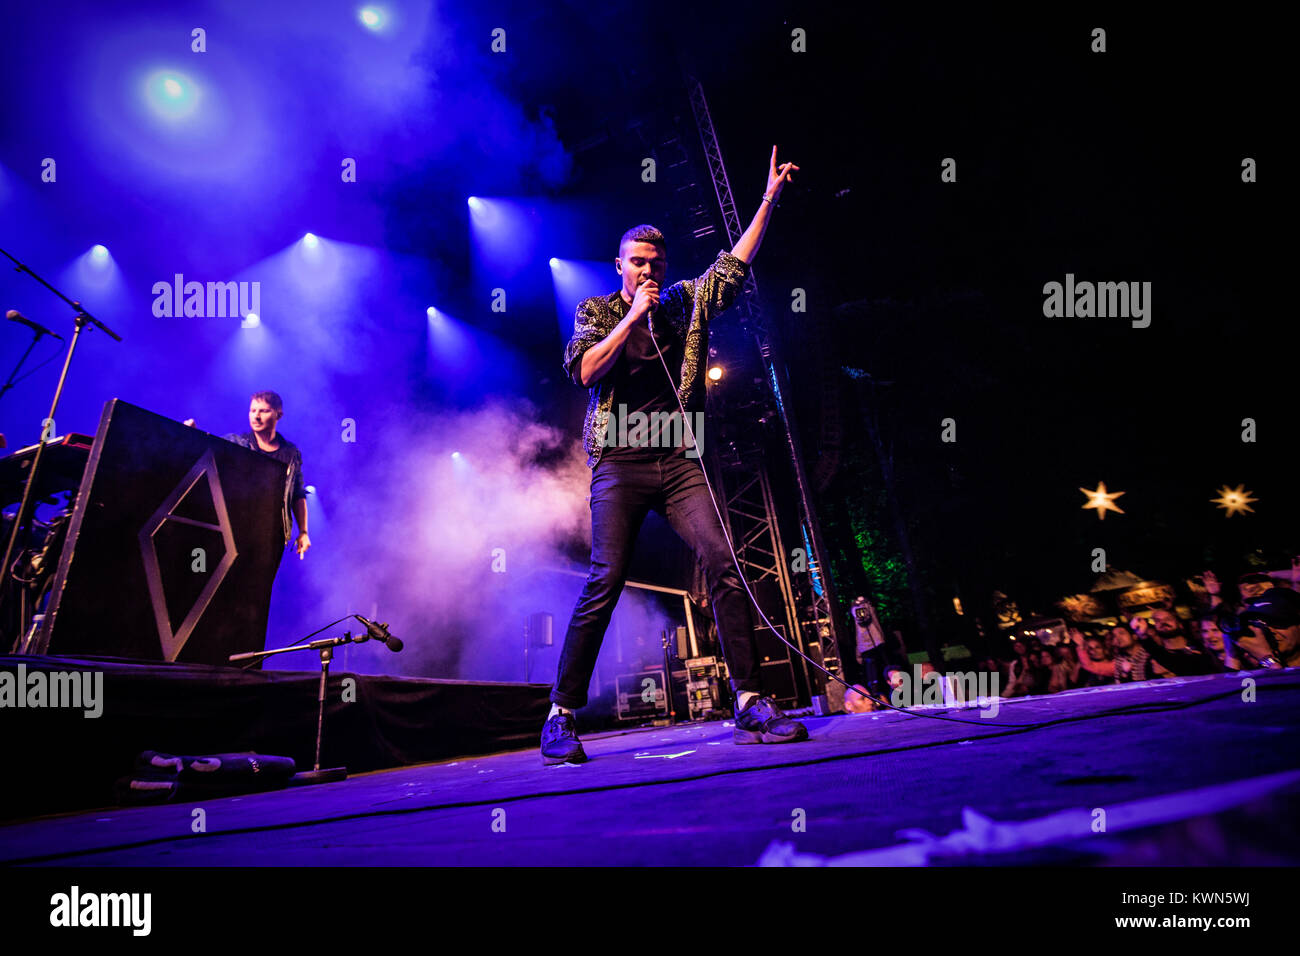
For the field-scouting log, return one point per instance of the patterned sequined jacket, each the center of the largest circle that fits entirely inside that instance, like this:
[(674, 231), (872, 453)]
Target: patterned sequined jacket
[(687, 306)]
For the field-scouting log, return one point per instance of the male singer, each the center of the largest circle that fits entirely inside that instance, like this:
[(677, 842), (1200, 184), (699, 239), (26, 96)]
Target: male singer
[(621, 344)]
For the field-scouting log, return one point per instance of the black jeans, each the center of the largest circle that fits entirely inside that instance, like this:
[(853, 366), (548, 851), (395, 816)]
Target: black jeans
[(622, 493)]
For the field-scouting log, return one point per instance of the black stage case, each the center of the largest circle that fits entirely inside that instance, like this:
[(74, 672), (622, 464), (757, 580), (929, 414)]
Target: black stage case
[(174, 544)]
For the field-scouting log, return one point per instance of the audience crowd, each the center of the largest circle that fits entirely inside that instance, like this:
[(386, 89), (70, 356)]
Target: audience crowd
[(1259, 629)]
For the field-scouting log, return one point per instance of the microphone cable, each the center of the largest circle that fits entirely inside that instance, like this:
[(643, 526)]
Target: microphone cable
[(754, 601)]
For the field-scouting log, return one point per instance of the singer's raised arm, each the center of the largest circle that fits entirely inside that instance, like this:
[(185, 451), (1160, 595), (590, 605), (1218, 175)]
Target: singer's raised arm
[(777, 176)]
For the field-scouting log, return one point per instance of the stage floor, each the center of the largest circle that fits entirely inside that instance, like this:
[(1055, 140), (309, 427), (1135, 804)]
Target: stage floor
[(1177, 772)]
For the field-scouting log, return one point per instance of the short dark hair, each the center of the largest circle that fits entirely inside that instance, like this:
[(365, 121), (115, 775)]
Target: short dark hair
[(271, 398), (644, 233)]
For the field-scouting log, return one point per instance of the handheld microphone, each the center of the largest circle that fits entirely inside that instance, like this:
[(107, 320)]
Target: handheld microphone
[(379, 632), (13, 315), (650, 317), (650, 310)]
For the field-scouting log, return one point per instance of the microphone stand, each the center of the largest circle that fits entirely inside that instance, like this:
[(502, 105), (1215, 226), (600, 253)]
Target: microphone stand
[(326, 647), (36, 337), (668, 679), (83, 318), (528, 641)]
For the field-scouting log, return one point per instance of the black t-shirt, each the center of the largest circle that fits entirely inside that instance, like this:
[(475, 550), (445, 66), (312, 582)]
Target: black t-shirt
[(287, 453), (295, 485), (640, 428)]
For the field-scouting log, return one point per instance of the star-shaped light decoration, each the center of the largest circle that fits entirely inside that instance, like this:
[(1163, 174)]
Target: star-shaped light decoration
[(1234, 500), (1102, 500)]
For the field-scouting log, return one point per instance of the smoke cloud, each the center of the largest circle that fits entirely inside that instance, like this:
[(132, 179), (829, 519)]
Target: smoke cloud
[(462, 525)]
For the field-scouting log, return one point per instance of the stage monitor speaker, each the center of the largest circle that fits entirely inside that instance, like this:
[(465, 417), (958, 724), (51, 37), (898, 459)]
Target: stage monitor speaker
[(174, 544)]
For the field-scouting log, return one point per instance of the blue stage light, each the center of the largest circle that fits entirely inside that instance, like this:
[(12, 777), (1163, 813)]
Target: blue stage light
[(171, 94), (374, 18), (95, 270), (575, 280), (310, 241), (475, 203), (431, 312)]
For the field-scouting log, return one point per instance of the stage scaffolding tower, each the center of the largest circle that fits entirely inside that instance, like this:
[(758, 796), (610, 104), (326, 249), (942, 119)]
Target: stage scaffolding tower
[(751, 515)]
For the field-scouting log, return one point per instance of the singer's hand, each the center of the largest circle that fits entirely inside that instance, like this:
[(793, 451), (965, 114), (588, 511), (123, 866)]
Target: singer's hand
[(646, 298), (301, 545), (777, 177)]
